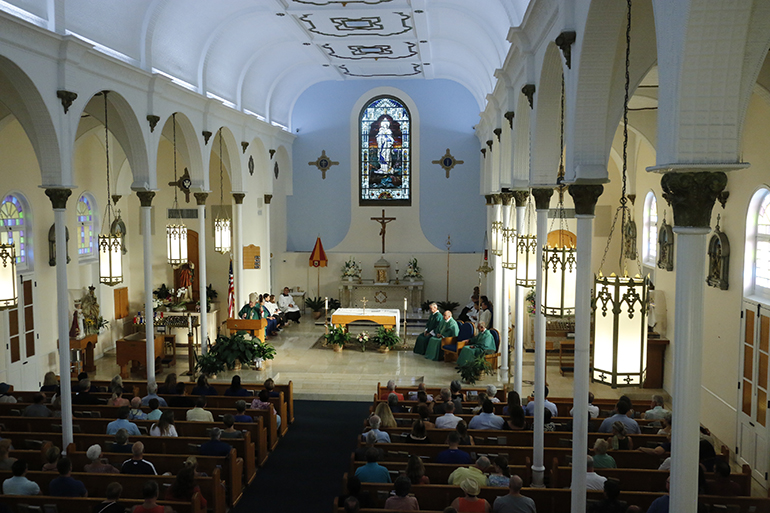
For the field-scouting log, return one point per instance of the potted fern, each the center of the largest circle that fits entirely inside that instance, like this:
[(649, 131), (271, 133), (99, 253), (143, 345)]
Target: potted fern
[(316, 304), (387, 339), (235, 348), (337, 337), (472, 371)]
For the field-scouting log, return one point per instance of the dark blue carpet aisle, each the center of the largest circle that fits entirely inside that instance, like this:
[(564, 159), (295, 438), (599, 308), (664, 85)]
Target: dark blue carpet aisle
[(304, 473)]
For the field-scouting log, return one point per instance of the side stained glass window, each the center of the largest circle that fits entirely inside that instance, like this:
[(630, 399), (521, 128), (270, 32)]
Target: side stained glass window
[(762, 260), (85, 214), (385, 153), (650, 241), (12, 217)]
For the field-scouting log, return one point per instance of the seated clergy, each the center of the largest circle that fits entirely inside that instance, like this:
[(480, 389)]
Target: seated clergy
[(430, 329), (481, 344), (447, 328)]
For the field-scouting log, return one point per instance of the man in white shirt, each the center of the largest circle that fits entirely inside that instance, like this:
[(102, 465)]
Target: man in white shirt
[(593, 480), (198, 414), (486, 419), (657, 410), (374, 424), (593, 411), (288, 307), (529, 410), (449, 420)]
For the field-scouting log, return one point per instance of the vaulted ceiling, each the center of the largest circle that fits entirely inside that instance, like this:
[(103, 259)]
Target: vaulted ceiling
[(260, 55)]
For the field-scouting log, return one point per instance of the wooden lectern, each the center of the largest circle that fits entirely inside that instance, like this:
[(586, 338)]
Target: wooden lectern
[(255, 327)]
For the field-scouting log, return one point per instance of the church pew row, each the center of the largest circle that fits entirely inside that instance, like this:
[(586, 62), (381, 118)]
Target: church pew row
[(99, 425), (640, 480), (213, 402), (517, 438), (85, 504), (96, 484), (547, 500), (515, 455), (152, 445), (110, 412), (138, 387)]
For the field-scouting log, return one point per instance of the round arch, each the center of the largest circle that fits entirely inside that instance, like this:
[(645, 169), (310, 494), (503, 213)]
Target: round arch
[(545, 139)]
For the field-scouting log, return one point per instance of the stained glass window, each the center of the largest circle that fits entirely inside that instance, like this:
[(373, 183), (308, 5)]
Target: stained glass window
[(650, 243), (12, 217), (385, 172), (85, 214), (762, 259)]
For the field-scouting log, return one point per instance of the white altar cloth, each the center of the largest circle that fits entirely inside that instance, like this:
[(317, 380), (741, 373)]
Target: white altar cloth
[(382, 316)]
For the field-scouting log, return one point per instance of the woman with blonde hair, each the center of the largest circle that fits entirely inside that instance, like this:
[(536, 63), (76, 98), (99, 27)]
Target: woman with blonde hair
[(383, 411), (50, 382), (620, 439), (117, 381), (601, 458), (117, 398)]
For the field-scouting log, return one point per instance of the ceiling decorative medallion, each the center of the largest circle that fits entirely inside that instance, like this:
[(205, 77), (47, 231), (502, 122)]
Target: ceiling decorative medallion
[(375, 52)]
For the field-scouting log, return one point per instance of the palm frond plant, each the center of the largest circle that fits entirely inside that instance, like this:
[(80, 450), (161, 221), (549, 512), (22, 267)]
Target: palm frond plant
[(447, 305)]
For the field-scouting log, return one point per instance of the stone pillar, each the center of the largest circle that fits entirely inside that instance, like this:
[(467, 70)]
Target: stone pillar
[(692, 196), (240, 296), (483, 281), (267, 261), (518, 343), (585, 197), (504, 317), (145, 199), (496, 285), (542, 204), (200, 198), (58, 199)]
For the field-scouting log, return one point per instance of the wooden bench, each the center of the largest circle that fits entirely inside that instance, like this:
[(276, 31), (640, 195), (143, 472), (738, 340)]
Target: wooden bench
[(96, 484), (85, 504)]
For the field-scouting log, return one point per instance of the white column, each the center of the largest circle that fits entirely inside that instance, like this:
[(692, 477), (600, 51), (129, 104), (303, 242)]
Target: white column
[(204, 327), (538, 469), (497, 283), (582, 355), (504, 322), (518, 344), (240, 296), (149, 327), (59, 201), (266, 260), (688, 337)]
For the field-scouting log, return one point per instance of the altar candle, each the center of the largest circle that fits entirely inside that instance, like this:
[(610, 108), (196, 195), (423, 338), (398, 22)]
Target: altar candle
[(189, 322), (405, 305), (326, 303)]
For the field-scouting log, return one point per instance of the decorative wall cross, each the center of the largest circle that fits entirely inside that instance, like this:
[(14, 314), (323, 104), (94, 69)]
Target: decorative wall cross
[(363, 302), (184, 183), (383, 223), (448, 162), (323, 163)]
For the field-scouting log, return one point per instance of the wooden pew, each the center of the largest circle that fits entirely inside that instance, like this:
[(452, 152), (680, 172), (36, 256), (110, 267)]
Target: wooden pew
[(85, 504), (96, 484), (110, 412), (152, 445)]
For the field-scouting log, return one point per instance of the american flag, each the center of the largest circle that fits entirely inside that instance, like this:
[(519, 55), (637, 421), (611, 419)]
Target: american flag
[(231, 294)]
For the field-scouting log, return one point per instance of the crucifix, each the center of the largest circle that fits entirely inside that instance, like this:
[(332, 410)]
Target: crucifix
[(383, 222), (363, 302)]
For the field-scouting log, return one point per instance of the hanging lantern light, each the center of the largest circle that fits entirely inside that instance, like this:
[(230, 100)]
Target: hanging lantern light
[(620, 303), (176, 233), (484, 268), (509, 242), (526, 251), (110, 244), (559, 265), (496, 233), (8, 296), (222, 223)]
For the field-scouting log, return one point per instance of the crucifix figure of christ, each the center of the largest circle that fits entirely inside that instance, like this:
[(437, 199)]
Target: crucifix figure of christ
[(383, 223), (363, 302)]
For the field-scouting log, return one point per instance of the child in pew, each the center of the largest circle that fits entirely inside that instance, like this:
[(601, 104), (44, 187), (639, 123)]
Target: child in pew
[(184, 488), (111, 505), (150, 494)]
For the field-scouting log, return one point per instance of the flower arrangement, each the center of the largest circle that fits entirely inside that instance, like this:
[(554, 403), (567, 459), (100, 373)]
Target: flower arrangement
[(362, 339), (412, 269), (530, 300), (95, 326), (351, 269)]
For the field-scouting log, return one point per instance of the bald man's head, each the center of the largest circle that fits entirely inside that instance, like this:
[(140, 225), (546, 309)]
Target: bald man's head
[(515, 484)]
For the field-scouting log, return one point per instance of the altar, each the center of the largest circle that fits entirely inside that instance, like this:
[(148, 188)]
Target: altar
[(390, 318), (382, 295)]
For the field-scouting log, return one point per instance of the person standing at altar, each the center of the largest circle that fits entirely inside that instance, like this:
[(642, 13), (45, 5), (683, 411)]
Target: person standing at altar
[(288, 307), (447, 328), (430, 329), (483, 343), (251, 310)]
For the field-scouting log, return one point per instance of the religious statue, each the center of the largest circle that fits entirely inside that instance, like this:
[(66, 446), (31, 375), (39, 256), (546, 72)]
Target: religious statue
[(90, 308), (186, 274), (77, 331)]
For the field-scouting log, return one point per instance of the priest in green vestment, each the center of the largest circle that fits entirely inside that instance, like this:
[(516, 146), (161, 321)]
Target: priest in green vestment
[(483, 343), (251, 310), (431, 328), (447, 328)]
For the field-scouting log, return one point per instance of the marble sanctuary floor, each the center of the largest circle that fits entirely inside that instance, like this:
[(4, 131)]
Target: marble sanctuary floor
[(352, 375)]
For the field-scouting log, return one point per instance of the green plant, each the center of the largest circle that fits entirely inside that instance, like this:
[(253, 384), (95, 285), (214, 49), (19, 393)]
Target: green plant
[(316, 304), (209, 364), (387, 337), (472, 371), (210, 292), (337, 336), (334, 303), (265, 350), (443, 306), (235, 347), (425, 306)]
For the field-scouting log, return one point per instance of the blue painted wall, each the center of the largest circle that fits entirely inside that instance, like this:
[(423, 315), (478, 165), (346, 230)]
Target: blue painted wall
[(447, 114)]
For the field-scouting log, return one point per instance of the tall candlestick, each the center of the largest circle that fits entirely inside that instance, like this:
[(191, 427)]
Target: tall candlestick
[(405, 306), (326, 303)]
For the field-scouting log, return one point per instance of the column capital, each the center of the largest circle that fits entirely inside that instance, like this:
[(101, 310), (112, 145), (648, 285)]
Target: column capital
[(496, 199), (145, 197), (506, 198), (585, 197), (58, 197), (489, 198), (692, 196), (268, 198), (238, 197), (520, 197), (200, 198), (542, 198)]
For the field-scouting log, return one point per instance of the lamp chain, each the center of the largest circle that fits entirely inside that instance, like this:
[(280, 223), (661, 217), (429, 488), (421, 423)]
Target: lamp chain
[(221, 179), (173, 119), (108, 211)]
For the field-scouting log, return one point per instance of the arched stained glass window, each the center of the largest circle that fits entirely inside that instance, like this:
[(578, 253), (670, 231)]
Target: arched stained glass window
[(12, 216), (762, 257), (86, 236), (650, 234), (385, 153)]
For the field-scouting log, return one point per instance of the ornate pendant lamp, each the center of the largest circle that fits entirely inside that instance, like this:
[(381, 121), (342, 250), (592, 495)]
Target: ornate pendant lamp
[(110, 244), (620, 303), (509, 241), (222, 223), (496, 233), (176, 233), (484, 268), (559, 254), (526, 251), (8, 296)]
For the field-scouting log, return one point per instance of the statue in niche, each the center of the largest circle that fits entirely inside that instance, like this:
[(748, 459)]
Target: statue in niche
[(666, 247), (719, 259)]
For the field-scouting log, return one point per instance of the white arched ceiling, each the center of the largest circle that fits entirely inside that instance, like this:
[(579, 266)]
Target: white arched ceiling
[(260, 55)]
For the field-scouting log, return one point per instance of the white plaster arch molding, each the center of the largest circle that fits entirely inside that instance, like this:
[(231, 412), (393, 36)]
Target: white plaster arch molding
[(521, 142), (187, 146), (232, 158), (403, 229), (544, 160)]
